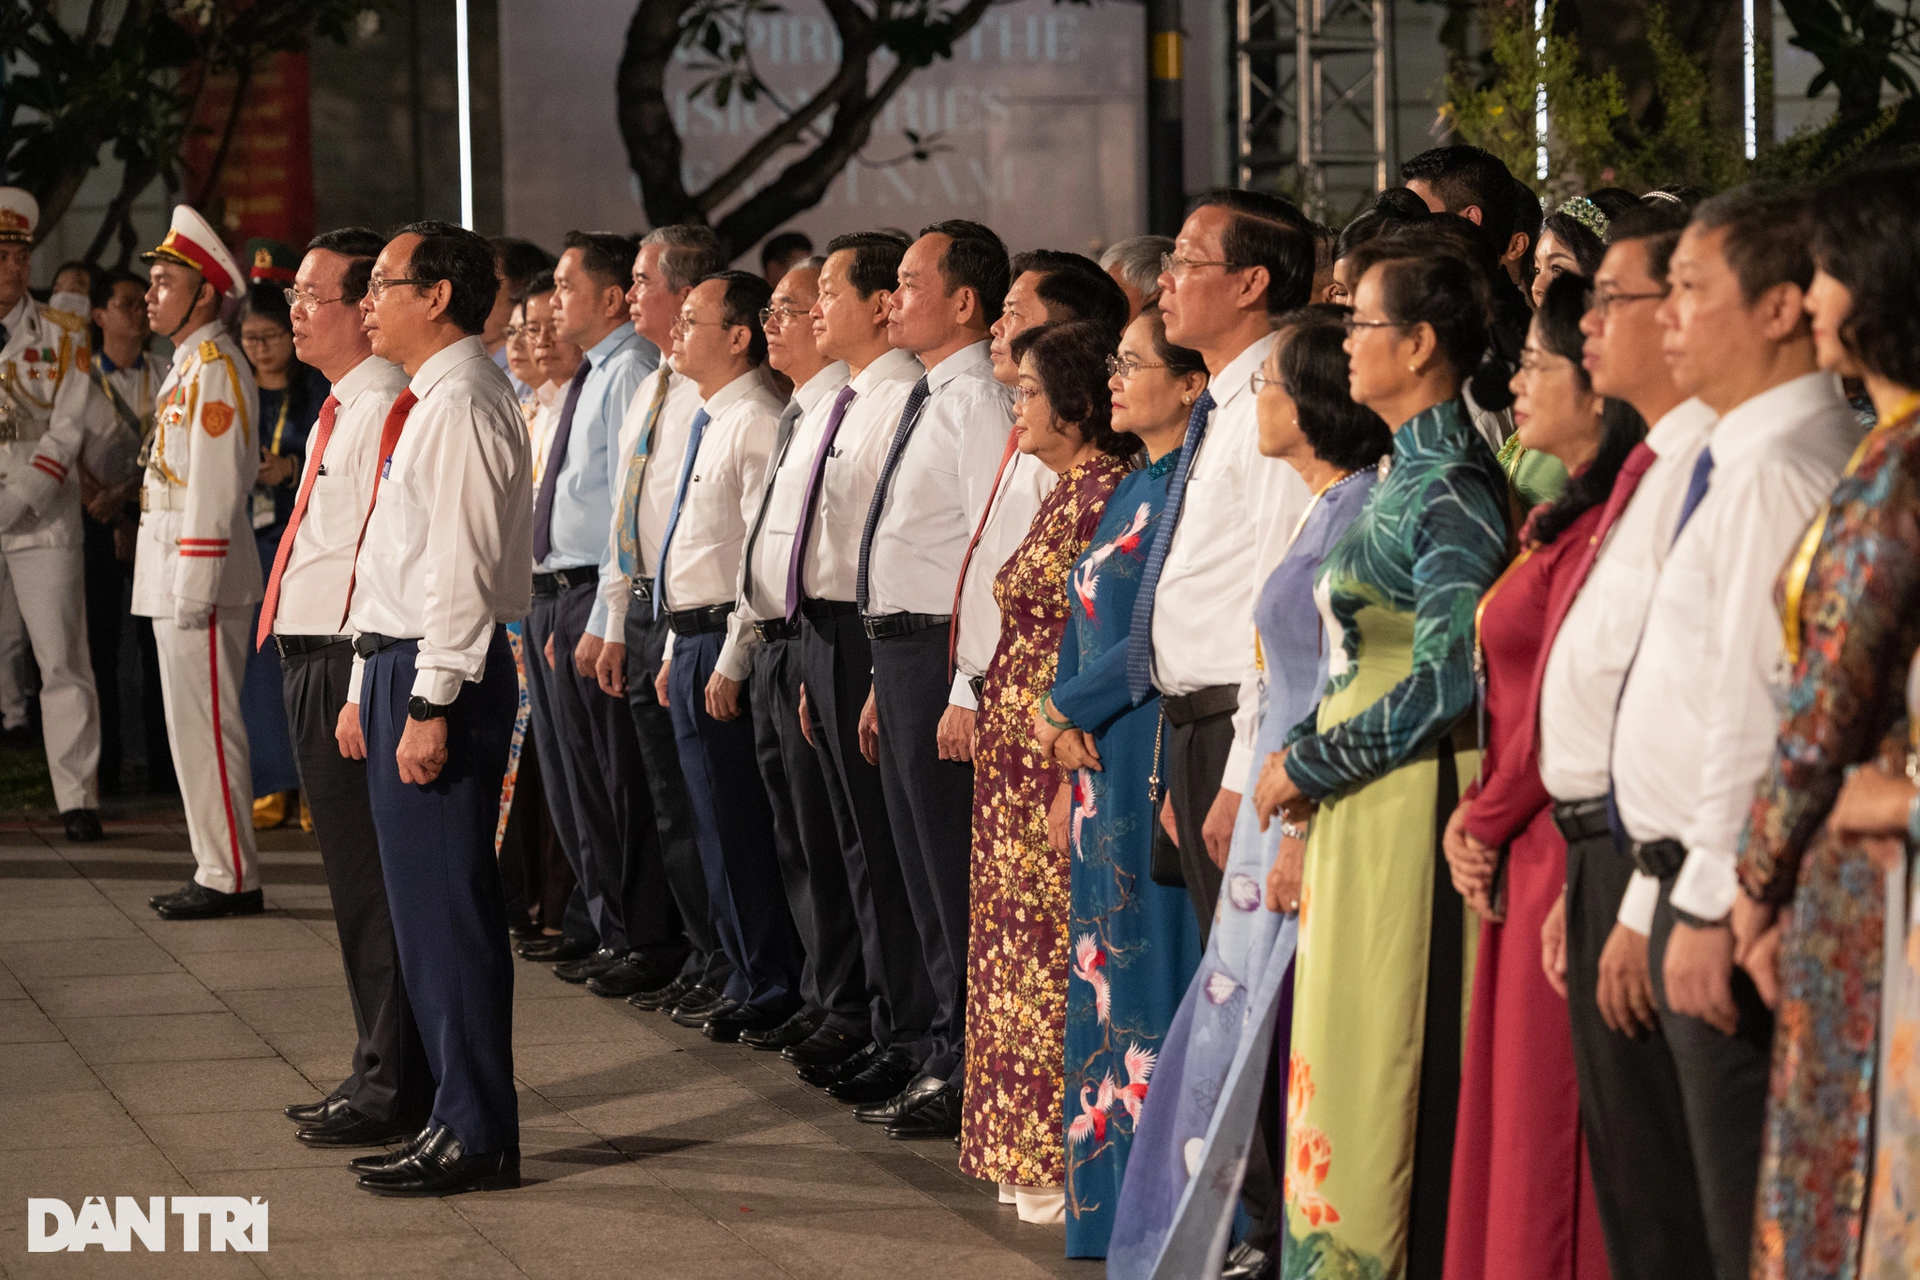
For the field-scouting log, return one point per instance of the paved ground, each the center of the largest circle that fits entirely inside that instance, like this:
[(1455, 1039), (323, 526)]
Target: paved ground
[(144, 1058)]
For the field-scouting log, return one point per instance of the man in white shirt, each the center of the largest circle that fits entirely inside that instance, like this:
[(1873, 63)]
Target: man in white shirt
[(720, 346), (1698, 715), (652, 444), (445, 562), (932, 490), (389, 1091), (1630, 1101), (820, 582)]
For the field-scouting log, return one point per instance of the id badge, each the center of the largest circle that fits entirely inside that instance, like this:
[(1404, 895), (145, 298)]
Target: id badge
[(263, 511)]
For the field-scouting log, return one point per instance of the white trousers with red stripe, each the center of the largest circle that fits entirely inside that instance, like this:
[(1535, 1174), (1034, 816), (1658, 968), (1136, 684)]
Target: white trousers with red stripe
[(200, 674), (49, 582)]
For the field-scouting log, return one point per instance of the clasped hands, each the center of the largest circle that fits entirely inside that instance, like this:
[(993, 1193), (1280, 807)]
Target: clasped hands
[(1070, 748), (1471, 864)]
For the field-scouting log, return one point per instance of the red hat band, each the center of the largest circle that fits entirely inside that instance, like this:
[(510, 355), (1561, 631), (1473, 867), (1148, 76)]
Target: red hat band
[(196, 256)]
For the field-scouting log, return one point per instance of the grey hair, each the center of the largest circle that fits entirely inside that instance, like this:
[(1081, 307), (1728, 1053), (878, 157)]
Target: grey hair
[(689, 253), (1139, 261)]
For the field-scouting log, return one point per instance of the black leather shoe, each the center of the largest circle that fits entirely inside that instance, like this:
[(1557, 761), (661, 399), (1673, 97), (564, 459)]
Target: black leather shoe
[(825, 1047), (440, 1166), (587, 966), (1248, 1261), (83, 825), (524, 931), (663, 997), (556, 949), (314, 1112), (197, 902), (388, 1159), (846, 1069), (937, 1117), (789, 1033), (724, 1026), (699, 1004), (348, 1128), (883, 1079), (172, 896), (635, 973)]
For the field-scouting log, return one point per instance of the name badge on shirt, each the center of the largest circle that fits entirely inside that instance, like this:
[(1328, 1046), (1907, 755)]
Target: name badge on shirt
[(386, 467)]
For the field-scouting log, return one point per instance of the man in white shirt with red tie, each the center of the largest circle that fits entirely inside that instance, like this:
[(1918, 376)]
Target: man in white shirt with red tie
[(445, 562), (387, 1093)]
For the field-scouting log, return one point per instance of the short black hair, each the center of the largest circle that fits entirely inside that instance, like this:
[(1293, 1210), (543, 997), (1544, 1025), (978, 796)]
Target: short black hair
[(106, 281), (537, 286), (976, 259), (689, 253), (1659, 222), (1768, 225), (606, 255), (464, 260), (746, 296), (784, 245), (268, 302), (1074, 287), (1266, 231), (1464, 177), (359, 246), (92, 272), (876, 259), (519, 260), (1864, 237), (1621, 426), (1392, 209), (1426, 281), (1313, 369), (1180, 361), (1070, 361)]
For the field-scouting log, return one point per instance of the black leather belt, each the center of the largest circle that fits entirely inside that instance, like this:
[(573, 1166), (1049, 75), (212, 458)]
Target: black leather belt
[(1582, 820), (1661, 859), (699, 622), (775, 629), (891, 626), (821, 610), (294, 646), (642, 589), (368, 643), (552, 584), (1184, 709)]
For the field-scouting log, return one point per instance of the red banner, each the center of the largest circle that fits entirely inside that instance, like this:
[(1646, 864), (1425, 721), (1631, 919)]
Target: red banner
[(265, 184)]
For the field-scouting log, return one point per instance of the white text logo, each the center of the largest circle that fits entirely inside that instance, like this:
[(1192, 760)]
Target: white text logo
[(232, 1222)]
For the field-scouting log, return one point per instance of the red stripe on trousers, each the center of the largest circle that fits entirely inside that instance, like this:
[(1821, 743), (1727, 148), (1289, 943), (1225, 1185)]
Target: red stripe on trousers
[(220, 743)]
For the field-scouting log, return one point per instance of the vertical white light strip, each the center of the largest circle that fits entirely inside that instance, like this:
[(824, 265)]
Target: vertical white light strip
[(1750, 78), (1540, 91), (464, 74)]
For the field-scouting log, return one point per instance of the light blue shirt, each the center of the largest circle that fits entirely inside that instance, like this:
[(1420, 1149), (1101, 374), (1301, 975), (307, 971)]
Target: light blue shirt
[(589, 477)]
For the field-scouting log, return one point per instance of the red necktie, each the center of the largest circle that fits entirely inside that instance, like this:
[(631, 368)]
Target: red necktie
[(993, 494), (323, 430), (389, 440)]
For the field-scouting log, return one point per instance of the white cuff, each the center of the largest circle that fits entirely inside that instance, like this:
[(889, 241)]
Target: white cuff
[(1706, 886), (1638, 902), (1239, 767), (961, 695), (442, 687), (353, 681)]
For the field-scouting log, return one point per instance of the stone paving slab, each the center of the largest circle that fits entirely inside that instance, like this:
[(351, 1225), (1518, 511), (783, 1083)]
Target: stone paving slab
[(140, 1057)]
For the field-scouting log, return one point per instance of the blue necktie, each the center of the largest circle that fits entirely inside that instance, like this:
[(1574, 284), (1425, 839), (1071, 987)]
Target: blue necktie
[(700, 421), (556, 463), (1696, 489), (909, 418), (1140, 639)]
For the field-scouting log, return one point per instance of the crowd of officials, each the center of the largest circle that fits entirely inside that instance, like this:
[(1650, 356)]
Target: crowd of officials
[(1386, 751)]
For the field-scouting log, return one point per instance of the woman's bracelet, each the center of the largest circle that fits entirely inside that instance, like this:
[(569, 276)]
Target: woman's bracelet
[(1040, 705), (1291, 832)]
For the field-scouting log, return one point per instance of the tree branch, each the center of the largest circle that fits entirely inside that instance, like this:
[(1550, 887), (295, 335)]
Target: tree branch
[(654, 148), (852, 73)]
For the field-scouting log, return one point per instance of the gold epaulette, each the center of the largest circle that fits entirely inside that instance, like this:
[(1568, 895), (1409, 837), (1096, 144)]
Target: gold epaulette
[(209, 351), (65, 319)]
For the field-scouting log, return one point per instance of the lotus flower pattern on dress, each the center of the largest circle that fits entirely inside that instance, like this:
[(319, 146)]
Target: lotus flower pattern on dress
[(1220, 987), (1244, 891)]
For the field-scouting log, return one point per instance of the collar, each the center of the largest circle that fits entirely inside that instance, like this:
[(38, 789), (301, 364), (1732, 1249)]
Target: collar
[(961, 361), (622, 337), (17, 317), (734, 392), (816, 388), (1441, 429), (895, 364), (445, 361), (108, 366), (1238, 375), (360, 378), (211, 331), (1780, 411), (546, 393), (1681, 428)]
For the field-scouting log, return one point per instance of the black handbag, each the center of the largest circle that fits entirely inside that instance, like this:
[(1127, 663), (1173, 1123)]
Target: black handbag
[(1164, 868)]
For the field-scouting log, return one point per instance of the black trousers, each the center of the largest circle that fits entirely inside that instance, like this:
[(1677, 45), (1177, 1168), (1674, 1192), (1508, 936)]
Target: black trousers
[(806, 836), (1723, 1087), (930, 803), (534, 874), (106, 585), (587, 904), (672, 806), (390, 1078), (837, 662), (1631, 1106), (1194, 762)]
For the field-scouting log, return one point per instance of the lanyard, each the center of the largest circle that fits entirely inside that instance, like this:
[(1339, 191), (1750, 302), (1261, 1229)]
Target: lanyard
[(280, 425)]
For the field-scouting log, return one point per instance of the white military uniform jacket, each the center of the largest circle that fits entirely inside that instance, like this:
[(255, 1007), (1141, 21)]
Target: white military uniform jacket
[(196, 531), (43, 395)]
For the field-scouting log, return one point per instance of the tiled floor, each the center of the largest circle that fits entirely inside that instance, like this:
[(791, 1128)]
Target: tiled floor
[(142, 1058)]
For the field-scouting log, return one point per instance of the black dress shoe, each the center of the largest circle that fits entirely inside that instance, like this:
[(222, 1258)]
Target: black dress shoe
[(881, 1080), (348, 1128), (724, 1026), (171, 896), (314, 1112), (663, 997), (197, 902), (441, 1166), (388, 1159), (937, 1117), (824, 1047), (635, 973), (587, 966), (1248, 1261), (83, 825), (694, 1008), (793, 1031), (846, 1069), (558, 949), (524, 931)]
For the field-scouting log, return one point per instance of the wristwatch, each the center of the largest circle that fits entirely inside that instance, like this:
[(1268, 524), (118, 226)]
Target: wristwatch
[(418, 708)]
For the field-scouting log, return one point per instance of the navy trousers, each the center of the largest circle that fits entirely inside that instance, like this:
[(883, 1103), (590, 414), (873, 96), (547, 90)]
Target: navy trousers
[(734, 828), (575, 792), (443, 887)]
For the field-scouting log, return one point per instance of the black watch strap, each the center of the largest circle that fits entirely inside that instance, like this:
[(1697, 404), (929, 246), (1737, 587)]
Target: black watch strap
[(418, 708)]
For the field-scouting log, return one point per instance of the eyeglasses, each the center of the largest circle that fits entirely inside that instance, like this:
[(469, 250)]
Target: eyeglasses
[(1260, 382), (769, 315), (684, 326), (1533, 364), (265, 339), (1174, 265), (1125, 367), (297, 300), (1604, 300), (1023, 394), (1350, 324), (377, 286), (531, 332)]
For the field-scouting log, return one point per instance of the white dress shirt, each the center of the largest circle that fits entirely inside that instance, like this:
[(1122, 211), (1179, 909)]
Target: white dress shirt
[(1239, 510), (939, 487), (1010, 514), (1699, 714), (448, 554), (852, 470), (1594, 646), (546, 412), (670, 435), (786, 486), (313, 589), (723, 492)]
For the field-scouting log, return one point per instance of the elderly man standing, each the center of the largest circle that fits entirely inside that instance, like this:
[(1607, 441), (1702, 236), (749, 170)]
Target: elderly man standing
[(203, 457)]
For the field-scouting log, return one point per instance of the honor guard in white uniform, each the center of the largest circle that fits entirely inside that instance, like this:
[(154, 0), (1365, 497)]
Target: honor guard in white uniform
[(195, 571), (43, 373)]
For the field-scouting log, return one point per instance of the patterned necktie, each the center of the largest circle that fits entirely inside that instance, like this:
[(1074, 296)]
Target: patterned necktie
[(700, 421), (783, 437), (909, 419), (322, 431), (556, 461), (1696, 489), (389, 441), (1140, 637), (797, 558), (628, 537)]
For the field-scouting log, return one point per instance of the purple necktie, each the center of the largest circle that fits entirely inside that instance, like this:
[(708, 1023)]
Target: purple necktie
[(556, 460), (811, 499)]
